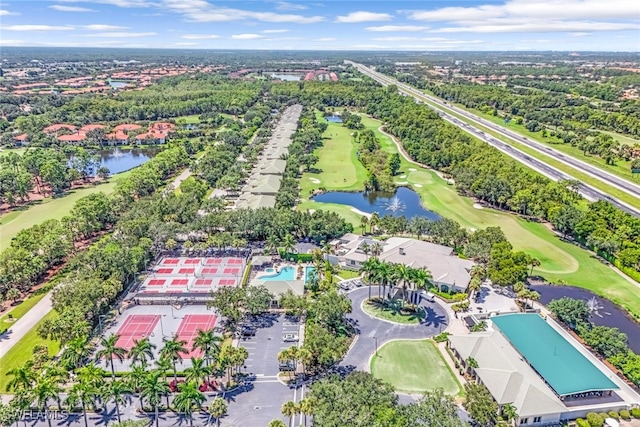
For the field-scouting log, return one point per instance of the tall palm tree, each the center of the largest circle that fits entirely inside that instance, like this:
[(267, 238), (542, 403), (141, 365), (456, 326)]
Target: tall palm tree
[(364, 221), (79, 394), (306, 408), (116, 391), (209, 343), (218, 409), (110, 350), (45, 389), (152, 389), (163, 365), (75, 353), (509, 413), (376, 249), (93, 379), (23, 377), (289, 410), (383, 276), (422, 278), (135, 380), (271, 244), (141, 351), (172, 351), (276, 423), (374, 221), (533, 262), (288, 244), (198, 371), (188, 397), (403, 275)]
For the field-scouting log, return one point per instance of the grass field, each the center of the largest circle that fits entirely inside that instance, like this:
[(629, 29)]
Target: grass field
[(12, 222), (622, 139), (560, 261), (6, 151), (392, 312), (347, 274), (23, 350), (414, 367), (19, 310)]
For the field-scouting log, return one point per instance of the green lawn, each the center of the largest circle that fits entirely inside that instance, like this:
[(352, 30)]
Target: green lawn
[(338, 165), (561, 261), (348, 274), (6, 151), (23, 350), (19, 310), (187, 120), (50, 208), (414, 367), (622, 139), (393, 312)]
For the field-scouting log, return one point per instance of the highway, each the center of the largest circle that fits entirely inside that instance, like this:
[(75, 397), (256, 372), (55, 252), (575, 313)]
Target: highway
[(540, 166)]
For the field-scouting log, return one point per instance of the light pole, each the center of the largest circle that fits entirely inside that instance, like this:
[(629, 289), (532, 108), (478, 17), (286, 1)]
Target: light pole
[(100, 320), (376, 341), (161, 327)]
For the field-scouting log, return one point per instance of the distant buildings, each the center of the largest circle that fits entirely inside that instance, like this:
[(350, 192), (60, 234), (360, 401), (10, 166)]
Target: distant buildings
[(123, 134)]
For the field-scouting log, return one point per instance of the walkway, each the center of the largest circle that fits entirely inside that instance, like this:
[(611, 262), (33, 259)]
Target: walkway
[(23, 325)]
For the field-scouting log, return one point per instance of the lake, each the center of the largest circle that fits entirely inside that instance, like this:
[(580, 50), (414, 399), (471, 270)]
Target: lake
[(604, 314), (334, 119), (122, 160), (287, 77), (404, 202)]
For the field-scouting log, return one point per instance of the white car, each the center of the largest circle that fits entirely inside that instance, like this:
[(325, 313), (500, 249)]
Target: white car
[(428, 296), (290, 338)]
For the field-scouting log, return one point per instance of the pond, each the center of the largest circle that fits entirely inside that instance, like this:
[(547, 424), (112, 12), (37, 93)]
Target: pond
[(404, 202), (604, 312), (118, 160), (287, 77), (334, 119)]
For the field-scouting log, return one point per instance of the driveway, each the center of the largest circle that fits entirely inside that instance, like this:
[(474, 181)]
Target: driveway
[(371, 329)]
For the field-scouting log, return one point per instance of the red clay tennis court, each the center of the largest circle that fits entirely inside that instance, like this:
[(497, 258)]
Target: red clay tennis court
[(188, 330), (171, 261), (156, 282), (214, 261), (186, 271), (164, 271), (192, 261), (136, 327), (179, 282), (227, 282), (234, 261), (209, 270), (231, 271), (203, 282)]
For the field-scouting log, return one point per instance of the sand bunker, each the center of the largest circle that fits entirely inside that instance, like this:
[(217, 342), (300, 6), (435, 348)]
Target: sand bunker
[(478, 206), (315, 180)]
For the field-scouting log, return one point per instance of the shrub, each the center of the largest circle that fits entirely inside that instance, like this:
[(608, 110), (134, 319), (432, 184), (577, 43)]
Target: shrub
[(635, 412), (614, 415), (604, 416), (625, 415), (581, 422), (594, 420), (441, 337)]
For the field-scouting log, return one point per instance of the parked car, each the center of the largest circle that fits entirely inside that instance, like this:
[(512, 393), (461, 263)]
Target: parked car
[(428, 296), (286, 366), (247, 331), (290, 338)]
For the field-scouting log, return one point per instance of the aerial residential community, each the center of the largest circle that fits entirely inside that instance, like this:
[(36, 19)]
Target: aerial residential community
[(387, 214)]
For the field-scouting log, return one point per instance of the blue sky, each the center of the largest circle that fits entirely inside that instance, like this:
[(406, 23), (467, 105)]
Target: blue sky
[(605, 25)]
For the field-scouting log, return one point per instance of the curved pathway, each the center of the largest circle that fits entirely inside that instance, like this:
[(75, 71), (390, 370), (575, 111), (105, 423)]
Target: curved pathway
[(369, 327)]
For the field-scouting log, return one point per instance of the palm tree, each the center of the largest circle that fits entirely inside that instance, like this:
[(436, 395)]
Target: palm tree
[(93, 379), (218, 409), (276, 423), (403, 275), (141, 351), (533, 262), (364, 221), (370, 269), (172, 350), (110, 350), (383, 276), (271, 244), (376, 249), (366, 249), (79, 394), (422, 278), (306, 408), (209, 343), (288, 244), (116, 390), (188, 397), (163, 365), (75, 352), (510, 413), (135, 379), (152, 389), (23, 377), (374, 221), (198, 371), (45, 388), (289, 410), (474, 286)]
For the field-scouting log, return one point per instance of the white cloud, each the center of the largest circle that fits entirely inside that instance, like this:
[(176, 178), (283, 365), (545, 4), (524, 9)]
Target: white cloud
[(397, 28), (118, 3), (5, 12), (62, 8), (580, 34), (200, 36), (394, 39), (38, 28), (327, 39), (247, 36), (525, 16), (285, 5), (185, 44), (103, 27), (9, 42), (362, 16), (122, 35), (275, 31), (203, 11)]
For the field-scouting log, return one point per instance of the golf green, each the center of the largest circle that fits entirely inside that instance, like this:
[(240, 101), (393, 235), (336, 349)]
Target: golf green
[(413, 367)]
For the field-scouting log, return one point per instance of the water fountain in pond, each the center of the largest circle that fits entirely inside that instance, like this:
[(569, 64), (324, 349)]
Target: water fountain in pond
[(395, 205), (594, 307), (117, 153)]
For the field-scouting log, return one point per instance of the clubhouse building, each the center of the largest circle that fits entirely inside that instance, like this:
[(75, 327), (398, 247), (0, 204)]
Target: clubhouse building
[(533, 364)]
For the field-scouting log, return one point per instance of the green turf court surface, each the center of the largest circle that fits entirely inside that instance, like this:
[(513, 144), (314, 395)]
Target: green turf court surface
[(413, 367), (561, 365)]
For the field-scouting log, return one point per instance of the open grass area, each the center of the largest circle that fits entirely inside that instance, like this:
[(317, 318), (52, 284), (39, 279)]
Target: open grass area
[(414, 367), (393, 311), (49, 208), (348, 274), (23, 350), (560, 261), (338, 167), (622, 139), (188, 120), (19, 310), (5, 151)]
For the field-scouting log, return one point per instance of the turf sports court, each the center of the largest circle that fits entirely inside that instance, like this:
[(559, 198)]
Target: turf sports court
[(193, 275)]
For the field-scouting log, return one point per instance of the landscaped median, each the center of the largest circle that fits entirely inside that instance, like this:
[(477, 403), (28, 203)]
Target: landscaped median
[(393, 311), (414, 367)]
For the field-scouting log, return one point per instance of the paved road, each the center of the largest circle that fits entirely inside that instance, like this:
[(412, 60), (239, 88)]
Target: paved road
[(23, 325), (538, 165), (371, 329)]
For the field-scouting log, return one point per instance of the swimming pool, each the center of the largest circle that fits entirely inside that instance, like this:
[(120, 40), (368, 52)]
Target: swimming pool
[(286, 273), (307, 273)]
